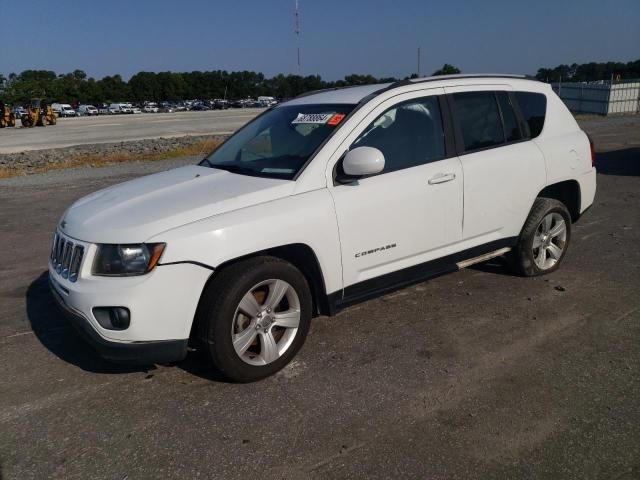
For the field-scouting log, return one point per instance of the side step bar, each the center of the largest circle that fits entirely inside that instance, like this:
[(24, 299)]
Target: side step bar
[(483, 258)]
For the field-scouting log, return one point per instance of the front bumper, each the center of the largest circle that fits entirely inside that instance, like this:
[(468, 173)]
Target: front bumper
[(142, 353)]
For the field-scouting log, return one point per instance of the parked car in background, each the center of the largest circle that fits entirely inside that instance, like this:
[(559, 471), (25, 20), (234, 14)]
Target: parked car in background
[(116, 108), (103, 109), (19, 112), (135, 109), (200, 107), (267, 101), (63, 110), (219, 104), (88, 110), (150, 108)]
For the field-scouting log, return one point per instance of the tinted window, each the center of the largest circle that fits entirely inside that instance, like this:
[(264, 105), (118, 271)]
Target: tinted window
[(534, 109), (479, 119), (408, 134), (509, 119), (278, 143)]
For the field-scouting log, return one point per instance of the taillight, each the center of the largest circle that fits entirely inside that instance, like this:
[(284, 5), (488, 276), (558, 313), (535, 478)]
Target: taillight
[(593, 151)]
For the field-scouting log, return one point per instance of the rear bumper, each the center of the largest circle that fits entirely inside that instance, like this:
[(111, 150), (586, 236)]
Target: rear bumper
[(587, 182), (140, 353)]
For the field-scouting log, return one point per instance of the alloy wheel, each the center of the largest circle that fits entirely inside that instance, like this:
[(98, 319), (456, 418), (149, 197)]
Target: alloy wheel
[(549, 241), (265, 322)]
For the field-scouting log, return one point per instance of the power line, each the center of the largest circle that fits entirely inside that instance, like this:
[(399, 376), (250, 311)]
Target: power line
[(296, 29)]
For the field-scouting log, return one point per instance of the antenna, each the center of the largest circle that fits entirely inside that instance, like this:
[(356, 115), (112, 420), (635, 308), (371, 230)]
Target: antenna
[(296, 30)]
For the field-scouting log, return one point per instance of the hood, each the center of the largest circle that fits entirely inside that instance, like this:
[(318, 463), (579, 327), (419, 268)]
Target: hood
[(134, 211)]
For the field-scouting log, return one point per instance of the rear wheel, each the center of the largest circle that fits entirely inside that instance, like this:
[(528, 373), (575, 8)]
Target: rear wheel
[(254, 317), (544, 239), (26, 121)]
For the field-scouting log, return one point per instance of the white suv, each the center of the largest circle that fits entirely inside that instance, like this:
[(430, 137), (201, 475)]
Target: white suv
[(323, 201)]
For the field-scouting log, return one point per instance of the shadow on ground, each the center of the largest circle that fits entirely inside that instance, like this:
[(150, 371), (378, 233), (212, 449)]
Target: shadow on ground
[(497, 266), (57, 335), (619, 162)]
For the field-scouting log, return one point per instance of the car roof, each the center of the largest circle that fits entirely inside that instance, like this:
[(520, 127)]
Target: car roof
[(346, 95), (354, 95)]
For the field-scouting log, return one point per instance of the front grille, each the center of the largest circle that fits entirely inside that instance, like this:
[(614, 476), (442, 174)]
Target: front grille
[(66, 257)]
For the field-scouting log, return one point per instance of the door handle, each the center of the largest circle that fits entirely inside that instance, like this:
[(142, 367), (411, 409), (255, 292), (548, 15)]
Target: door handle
[(442, 178)]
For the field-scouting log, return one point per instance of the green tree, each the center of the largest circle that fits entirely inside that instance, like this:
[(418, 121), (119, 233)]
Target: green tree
[(446, 70)]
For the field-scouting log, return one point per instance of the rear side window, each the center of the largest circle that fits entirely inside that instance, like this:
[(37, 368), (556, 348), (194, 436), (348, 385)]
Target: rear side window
[(511, 128), (479, 119), (534, 108)]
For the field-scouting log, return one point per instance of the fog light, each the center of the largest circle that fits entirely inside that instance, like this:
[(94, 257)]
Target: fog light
[(112, 318)]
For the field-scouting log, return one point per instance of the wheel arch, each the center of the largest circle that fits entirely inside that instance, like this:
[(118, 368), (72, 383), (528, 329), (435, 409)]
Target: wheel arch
[(299, 255), (567, 192)]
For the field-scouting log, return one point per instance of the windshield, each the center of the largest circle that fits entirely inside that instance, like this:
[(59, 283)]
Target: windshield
[(278, 143)]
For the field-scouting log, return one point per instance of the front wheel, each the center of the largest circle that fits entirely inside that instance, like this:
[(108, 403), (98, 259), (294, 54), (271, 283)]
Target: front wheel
[(254, 318), (544, 239)]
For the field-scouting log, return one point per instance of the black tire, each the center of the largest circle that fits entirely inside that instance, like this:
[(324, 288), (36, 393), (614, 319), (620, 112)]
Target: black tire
[(216, 315), (522, 256), (26, 121)]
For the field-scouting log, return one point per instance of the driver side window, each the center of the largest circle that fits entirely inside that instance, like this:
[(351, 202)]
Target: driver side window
[(408, 134)]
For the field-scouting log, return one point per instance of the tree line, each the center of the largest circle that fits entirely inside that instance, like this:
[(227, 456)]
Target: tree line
[(76, 86), (172, 86), (589, 72)]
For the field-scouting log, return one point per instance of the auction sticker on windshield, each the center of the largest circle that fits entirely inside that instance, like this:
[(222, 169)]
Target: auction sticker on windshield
[(312, 118)]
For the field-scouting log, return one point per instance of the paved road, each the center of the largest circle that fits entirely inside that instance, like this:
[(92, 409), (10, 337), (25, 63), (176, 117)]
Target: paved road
[(116, 128), (478, 374)]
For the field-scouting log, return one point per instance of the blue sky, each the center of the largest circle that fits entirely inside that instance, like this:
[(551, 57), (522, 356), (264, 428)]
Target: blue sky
[(338, 36)]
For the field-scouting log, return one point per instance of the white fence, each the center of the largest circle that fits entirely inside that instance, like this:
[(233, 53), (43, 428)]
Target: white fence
[(603, 99)]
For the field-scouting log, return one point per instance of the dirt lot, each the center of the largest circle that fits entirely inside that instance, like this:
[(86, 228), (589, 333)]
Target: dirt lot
[(119, 128), (477, 374)]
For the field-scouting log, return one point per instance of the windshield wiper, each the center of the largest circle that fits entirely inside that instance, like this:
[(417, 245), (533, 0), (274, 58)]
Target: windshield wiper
[(207, 161), (235, 169)]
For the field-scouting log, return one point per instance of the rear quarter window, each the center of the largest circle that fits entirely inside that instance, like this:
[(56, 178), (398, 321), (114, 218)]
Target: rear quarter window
[(534, 109)]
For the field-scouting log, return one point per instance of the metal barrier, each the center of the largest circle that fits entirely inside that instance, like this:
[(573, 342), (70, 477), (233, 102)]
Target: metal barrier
[(603, 98)]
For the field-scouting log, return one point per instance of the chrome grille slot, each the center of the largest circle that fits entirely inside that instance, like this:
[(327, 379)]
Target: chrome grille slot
[(60, 253), (66, 257), (74, 269)]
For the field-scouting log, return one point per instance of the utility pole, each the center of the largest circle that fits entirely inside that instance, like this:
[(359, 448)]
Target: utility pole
[(296, 29)]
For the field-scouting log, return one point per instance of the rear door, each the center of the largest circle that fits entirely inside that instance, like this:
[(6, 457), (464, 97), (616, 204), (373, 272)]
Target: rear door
[(503, 171)]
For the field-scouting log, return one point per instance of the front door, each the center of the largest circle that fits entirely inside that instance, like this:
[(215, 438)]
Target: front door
[(407, 214)]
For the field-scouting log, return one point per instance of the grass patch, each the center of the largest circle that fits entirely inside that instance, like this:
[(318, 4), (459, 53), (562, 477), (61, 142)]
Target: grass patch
[(199, 147)]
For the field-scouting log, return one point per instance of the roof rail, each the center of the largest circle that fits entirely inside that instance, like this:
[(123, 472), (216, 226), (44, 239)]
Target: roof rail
[(321, 90), (411, 81)]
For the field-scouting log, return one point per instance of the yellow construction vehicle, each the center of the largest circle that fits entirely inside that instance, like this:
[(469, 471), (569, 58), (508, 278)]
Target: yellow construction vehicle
[(39, 113), (7, 117)]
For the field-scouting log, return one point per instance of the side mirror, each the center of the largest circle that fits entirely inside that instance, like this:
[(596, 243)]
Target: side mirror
[(363, 161)]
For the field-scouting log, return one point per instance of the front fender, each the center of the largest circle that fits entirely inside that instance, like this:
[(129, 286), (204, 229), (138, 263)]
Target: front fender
[(308, 218)]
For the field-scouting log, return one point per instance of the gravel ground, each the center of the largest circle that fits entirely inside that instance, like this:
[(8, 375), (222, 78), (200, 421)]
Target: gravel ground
[(30, 160), (473, 375)]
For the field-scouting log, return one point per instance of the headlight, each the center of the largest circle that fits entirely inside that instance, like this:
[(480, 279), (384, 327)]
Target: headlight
[(124, 260)]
